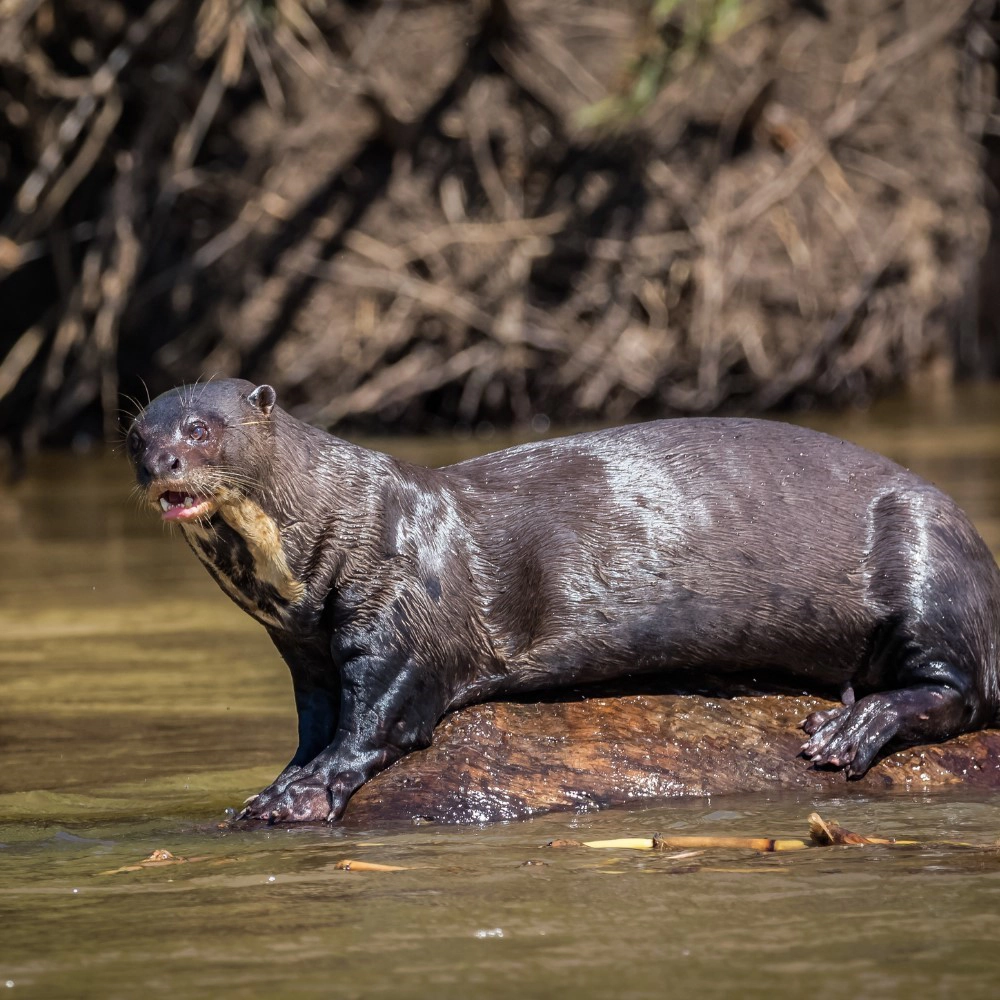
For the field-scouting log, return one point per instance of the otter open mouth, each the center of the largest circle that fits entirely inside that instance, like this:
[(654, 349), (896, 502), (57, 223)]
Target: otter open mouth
[(177, 506)]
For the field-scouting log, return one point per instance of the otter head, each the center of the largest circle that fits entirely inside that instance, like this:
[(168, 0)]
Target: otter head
[(197, 448)]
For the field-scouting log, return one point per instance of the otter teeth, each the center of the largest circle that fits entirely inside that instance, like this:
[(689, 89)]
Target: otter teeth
[(167, 501)]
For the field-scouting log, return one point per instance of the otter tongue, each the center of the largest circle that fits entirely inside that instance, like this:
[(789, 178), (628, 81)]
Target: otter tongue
[(173, 502)]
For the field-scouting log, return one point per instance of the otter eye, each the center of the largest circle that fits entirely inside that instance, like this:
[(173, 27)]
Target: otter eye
[(133, 442), (197, 431)]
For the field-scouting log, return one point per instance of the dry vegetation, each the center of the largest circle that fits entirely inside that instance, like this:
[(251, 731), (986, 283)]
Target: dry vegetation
[(422, 214)]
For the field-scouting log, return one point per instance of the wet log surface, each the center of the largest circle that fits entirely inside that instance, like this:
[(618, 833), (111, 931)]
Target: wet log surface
[(509, 760)]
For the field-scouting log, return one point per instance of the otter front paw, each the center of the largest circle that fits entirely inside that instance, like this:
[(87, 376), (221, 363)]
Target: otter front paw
[(303, 800), (272, 789)]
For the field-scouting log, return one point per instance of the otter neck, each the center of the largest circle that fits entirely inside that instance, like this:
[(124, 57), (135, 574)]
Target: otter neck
[(242, 547)]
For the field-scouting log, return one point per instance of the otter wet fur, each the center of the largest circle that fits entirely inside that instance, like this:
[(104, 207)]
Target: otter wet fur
[(396, 593)]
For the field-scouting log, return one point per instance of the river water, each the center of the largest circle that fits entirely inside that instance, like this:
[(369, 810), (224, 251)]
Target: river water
[(137, 703)]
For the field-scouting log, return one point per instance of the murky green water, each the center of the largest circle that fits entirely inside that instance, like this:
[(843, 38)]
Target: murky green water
[(136, 703)]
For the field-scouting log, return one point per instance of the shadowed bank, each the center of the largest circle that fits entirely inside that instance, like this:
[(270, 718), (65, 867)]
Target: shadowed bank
[(422, 215)]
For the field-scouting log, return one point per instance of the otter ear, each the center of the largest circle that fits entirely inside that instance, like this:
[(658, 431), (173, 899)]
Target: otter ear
[(263, 397)]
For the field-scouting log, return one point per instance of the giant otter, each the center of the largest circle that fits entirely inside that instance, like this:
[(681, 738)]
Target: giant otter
[(396, 593)]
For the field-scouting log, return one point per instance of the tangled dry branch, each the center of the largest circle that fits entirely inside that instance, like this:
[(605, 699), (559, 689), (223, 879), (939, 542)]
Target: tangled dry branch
[(425, 214)]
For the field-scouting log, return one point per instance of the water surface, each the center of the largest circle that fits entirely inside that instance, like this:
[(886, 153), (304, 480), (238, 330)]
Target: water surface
[(138, 703)]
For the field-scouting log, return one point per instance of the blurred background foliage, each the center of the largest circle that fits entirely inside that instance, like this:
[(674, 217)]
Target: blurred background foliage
[(422, 215)]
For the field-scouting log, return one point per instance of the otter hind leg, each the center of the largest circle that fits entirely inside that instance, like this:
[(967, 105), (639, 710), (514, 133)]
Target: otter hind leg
[(919, 684), (934, 585)]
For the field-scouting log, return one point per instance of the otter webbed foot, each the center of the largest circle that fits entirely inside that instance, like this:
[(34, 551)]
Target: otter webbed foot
[(851, 736), (815, 722)]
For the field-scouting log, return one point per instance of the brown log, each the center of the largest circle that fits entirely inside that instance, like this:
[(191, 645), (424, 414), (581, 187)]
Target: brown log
[(510, 760)]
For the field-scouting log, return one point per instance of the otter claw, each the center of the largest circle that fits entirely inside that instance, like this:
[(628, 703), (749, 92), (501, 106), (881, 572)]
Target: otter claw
[(244, 813)]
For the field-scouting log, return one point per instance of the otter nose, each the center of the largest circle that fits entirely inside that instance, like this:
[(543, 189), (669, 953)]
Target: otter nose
[(163, 465)]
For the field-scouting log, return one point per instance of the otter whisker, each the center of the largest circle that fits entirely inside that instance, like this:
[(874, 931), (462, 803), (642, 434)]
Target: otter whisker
[(135, 402), (138, 497), (193, 389), (224, 475)]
